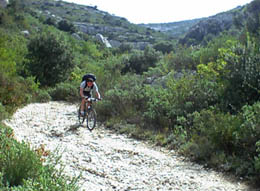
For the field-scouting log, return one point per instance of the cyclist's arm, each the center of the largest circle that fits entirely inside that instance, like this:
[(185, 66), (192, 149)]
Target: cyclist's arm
[(98, 95), (97, 92), (81, 93), (82, 85)]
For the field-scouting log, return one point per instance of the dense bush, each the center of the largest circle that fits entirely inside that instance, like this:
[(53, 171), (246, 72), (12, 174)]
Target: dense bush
[(222, 139), (50, 58), (208, 108), (182, 59), (42, 96), (124, 100), (123, 48), (3, 112), (65, 92), (66, 26), (16, 91), (7, 57), (17, 161), (182, 97), (22, 169), (140, 61), (241, 75), (90, 49), (50, 21), (164, 47), (157, 109)]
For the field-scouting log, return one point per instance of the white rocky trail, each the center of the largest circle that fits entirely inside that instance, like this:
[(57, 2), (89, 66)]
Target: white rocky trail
[(109, 161)]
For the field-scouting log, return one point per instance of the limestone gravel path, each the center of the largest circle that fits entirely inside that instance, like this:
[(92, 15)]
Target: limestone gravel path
[(109, 161)]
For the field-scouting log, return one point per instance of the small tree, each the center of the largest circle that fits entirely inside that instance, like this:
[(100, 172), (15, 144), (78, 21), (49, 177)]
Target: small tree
[(50, 21), (140, 61), (50, 58), (164, 47), (66, 26)]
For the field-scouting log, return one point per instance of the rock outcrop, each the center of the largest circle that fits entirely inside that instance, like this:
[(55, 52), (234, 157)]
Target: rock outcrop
[(103, 40), (4, 3)]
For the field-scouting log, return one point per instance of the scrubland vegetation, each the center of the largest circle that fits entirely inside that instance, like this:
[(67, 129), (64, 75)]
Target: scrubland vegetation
[(201, 100)]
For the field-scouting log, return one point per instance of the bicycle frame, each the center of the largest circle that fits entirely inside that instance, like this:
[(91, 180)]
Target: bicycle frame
[(89, 114), (89, 102)]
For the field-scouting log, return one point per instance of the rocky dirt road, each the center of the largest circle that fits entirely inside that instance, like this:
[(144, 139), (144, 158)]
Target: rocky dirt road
[(109, 161)]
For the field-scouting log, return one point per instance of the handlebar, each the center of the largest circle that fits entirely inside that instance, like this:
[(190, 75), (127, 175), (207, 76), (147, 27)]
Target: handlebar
[(91, 99)]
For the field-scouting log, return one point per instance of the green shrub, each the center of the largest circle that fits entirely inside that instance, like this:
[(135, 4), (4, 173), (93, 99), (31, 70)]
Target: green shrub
[(42, 96), (123, 48), (21, 169), (65, 92), (140, 61), (222, 139), (3, 113), (182, 59), (66, 26), (164, 47), (160, 139), (218, 127), (210, 138), (51, 177), (104, 110), (182, 97), (240, 75), (90, 48), (192, 93), (50, 21), (124, 99), (199, 149), (17, 161), (158, 108), (7, 57), (249, 131), (50, 58), (257, 158), (3, 187), (16, 91)]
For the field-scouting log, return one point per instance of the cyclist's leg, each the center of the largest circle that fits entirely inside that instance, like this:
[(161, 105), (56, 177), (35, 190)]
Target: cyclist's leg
[(83, 103), (88, 95), (82, 107)]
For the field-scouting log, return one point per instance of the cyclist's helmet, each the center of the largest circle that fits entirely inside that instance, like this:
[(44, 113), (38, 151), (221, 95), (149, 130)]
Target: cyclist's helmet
[(91, 78)]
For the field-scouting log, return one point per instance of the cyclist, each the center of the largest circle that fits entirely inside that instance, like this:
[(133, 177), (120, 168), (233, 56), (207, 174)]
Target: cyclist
[(87, 86)]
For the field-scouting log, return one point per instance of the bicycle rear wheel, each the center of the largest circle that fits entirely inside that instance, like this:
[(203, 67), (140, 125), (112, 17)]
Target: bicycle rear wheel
[(91, 119)]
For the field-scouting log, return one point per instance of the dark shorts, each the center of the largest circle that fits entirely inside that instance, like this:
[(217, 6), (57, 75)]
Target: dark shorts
[(88, 94)]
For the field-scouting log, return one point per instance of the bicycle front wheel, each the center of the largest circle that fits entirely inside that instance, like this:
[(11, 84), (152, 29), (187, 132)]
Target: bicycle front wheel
[(91, 119)]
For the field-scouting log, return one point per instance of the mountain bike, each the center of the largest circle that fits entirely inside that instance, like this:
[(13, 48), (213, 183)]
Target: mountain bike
[(90, 115)]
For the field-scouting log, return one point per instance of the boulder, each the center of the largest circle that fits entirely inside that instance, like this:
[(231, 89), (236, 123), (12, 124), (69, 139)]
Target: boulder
[(25, 33), (104, 40), (76, 36), (115, 43)]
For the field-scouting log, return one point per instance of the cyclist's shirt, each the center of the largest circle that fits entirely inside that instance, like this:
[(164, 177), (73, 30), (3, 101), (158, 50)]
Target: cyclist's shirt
[(88, 89)]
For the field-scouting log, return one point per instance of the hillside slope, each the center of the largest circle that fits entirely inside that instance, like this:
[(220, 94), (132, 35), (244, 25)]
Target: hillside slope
[(118, 30), (197, 30), (90, 20)]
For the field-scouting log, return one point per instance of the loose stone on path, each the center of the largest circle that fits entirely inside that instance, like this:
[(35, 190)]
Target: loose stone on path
[(109, 161)]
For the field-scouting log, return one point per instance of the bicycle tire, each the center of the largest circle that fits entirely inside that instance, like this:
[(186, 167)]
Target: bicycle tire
[(80, 117), (91, 119)]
